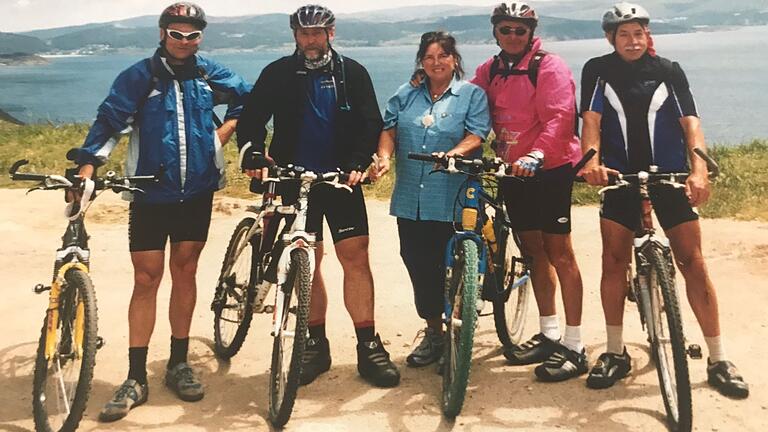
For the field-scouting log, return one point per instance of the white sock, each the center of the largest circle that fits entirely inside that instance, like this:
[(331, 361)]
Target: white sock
[(572, 339), (716, 349), (615, 339), (550, 327)]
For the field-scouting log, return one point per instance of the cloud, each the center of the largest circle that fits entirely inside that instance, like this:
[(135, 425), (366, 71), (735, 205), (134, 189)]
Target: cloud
[(23, 3)]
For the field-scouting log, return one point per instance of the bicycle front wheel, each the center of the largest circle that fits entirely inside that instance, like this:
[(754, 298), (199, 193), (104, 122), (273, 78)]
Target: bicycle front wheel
[(62, 381), (668, 343), (510, 307), (233, 300), (288, 345), (461, 294)]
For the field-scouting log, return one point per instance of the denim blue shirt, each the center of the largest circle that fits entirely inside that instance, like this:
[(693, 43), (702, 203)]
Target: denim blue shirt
[(426, 127)]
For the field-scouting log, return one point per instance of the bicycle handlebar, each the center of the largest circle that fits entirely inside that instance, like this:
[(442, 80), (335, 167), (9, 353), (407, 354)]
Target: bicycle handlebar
[(295, 172), (494, 165), (53, 182)]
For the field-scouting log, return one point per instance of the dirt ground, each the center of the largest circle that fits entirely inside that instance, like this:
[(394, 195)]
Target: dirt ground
[(499, 398)]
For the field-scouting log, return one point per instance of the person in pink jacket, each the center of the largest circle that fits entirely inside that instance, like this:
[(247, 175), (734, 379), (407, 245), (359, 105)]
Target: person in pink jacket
[(532, 100)]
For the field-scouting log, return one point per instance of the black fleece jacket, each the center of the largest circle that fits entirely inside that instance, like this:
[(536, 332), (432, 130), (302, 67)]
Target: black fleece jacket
[(280, 93)]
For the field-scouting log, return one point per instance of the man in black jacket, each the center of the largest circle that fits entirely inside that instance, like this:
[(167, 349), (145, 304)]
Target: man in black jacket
[(325, 117)]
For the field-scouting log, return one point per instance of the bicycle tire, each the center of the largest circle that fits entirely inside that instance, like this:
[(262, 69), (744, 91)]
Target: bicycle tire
[(77, 289), (233, 295), (283, 385), (676, 394), (462, 288), (510, 307)]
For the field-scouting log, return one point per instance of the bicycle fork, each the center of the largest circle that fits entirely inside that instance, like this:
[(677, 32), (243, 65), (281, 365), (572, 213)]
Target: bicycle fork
[(283, 293)]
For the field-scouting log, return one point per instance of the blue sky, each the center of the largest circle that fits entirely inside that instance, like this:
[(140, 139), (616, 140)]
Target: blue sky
[(21, 15)]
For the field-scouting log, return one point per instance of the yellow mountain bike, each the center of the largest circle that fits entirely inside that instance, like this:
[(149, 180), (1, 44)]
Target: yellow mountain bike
[(66, 353)]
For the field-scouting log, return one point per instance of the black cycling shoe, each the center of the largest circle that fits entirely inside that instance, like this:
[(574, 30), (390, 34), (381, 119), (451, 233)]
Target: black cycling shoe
[(563, 364), (535, 350), (374, 365), (315, 361), (609, 368), (726, 379)]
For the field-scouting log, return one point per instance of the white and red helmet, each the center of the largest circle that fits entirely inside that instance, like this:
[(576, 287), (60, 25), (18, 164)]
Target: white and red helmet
[(516, 11)]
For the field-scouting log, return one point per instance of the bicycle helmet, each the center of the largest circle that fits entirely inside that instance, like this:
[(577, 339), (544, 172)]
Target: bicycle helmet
[(312, 16), (183, 12), (516, 11), (622, 13)]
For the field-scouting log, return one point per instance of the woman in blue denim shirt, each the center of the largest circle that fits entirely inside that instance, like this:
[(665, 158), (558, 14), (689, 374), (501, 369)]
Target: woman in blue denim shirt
[(442, 115)]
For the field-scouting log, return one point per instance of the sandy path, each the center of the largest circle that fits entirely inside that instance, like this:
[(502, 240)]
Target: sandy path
[(500, 397)]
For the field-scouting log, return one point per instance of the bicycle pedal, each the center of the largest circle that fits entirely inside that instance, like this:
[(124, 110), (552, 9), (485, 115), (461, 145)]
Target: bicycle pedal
[(40, 288), (694, 351), (100, 342)]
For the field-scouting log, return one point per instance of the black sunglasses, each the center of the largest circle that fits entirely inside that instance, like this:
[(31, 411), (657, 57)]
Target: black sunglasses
[(194, 35), (518, 31)]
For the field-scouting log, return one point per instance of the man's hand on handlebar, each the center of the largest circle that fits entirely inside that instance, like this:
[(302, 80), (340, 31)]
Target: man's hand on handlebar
[(596, 174), (697, 189)]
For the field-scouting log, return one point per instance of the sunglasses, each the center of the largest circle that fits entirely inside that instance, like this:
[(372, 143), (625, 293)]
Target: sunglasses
[(518, 31), (193, 35)]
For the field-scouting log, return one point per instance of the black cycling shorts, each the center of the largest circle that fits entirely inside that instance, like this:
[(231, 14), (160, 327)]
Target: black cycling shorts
[(670, 204), (345, 212), (540, 204), (150, 225)]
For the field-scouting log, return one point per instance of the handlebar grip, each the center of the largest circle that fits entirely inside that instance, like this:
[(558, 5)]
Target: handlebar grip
[(712, 166), (28, 176), (426, 157), (587, 156), (16, 165)]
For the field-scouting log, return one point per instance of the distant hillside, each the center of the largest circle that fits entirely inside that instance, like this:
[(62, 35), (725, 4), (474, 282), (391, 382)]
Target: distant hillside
[(560, 19), (13, 43)]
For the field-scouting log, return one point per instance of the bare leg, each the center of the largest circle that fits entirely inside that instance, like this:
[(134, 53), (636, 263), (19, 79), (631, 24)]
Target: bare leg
[(318, 304), (560, 253), (358, 280), (543, 276), (183, 266), (617, 255), (147, 274), (685, 240)]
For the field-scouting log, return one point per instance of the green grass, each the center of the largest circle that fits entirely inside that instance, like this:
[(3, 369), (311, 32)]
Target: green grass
[(741, 191)]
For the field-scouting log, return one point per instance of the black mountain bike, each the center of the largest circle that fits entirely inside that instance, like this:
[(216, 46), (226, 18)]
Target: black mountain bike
[(66, 352), (652, 288)]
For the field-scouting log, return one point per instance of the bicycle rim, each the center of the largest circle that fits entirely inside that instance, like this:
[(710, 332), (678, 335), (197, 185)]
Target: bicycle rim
[(233, 300), (668, 344), (62, 383), (461, 292), (288, 344)]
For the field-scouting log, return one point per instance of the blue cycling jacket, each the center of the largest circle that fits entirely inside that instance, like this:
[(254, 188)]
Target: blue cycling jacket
[(168, 112)]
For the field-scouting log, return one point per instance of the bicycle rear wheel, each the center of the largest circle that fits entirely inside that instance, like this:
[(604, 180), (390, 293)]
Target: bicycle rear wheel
[(461, 294), (668, 342), (510, 307), (288, 345), (233, 300), (61, 383)]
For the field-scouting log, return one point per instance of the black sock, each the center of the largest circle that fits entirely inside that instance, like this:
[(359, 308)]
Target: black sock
[(137, 364), (178, 351), (317, 331), (365, 334)]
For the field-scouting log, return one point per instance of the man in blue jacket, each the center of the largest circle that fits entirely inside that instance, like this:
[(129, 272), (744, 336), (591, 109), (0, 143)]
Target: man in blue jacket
[(166, 102)]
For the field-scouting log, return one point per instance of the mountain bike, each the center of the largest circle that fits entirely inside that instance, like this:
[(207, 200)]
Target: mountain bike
[(255, 263), (652, 288), (484, 238), (479, 266), (66, 352)]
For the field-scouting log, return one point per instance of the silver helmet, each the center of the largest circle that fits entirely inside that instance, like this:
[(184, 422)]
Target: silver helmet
[(515, 11), (622, 13)]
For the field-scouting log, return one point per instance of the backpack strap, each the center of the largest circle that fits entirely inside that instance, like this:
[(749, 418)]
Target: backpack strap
[(504, 72)]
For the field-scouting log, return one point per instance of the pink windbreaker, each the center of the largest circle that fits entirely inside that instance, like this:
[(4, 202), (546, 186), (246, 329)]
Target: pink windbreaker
[(527, 118)]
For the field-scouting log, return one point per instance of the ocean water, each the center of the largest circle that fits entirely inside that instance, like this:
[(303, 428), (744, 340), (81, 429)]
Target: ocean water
[(726, 70)]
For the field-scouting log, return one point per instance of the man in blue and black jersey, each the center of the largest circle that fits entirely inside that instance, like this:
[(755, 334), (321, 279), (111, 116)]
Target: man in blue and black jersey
[(638, 111), (325, 117)]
